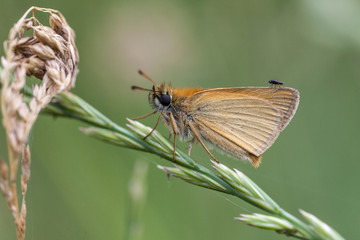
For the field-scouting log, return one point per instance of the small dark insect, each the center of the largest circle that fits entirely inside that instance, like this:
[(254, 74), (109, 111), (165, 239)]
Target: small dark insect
[(276, 82)]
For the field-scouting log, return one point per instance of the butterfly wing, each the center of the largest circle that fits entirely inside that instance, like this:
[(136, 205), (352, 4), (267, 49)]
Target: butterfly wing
[(244, 122)]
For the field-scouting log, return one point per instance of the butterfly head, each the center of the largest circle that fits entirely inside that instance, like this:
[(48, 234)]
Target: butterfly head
[(160, 97)]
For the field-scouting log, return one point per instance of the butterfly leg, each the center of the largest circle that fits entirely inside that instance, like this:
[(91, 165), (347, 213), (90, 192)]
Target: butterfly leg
[(197, 135), (173, 126), (153, 128)]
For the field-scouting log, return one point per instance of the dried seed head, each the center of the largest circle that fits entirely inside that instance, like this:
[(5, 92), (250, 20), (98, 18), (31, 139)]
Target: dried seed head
[(50, 55)]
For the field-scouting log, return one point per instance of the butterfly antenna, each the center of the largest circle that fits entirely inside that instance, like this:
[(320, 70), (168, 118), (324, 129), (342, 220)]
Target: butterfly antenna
[(136, 88), (148, 78)]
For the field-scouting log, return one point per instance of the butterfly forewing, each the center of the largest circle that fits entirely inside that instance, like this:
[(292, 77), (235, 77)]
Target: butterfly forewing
[(242, 120), (283, 98)]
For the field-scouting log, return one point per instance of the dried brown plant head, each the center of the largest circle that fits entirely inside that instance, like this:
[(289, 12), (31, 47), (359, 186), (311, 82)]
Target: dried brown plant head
[(48, 53)]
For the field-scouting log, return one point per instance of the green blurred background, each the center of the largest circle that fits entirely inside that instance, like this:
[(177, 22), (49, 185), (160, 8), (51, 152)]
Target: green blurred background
[(79, 186)]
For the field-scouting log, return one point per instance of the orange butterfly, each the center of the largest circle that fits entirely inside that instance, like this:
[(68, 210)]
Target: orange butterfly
[(242, 121)]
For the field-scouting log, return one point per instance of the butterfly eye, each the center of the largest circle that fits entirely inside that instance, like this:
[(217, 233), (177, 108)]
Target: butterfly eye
[(165, 99)]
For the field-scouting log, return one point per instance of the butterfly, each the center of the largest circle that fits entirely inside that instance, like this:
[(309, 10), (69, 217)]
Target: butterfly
[(242, 121)]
